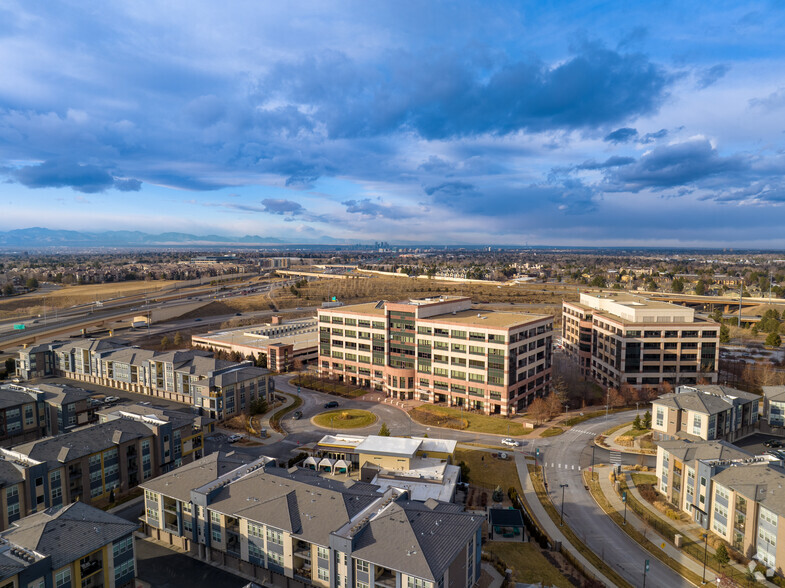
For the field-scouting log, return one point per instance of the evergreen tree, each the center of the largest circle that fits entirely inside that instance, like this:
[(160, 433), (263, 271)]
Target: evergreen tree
[(647, 420), (384, 431)]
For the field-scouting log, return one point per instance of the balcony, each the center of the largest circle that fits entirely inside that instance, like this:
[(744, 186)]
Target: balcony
[(88, 567), (302, 550), (385, 578)]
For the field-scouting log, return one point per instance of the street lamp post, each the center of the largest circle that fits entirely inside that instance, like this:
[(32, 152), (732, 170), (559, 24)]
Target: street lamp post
[(561, 519), (624, 500), (705, 553), (592, 461)]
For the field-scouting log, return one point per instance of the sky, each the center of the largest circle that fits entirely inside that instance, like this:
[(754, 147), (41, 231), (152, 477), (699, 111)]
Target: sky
[(511, 123)]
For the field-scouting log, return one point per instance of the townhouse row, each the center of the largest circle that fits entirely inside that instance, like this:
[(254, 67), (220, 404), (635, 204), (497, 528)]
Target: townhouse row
[(272, 522), (439, 350), (93, 464), (216, 388)]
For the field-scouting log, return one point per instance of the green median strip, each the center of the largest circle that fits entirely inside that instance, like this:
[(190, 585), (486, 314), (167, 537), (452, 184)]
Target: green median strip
[(593, 558), (275, 420)]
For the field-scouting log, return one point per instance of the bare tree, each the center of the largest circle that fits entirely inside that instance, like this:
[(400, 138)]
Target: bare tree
[(554, 405), (539, 410)]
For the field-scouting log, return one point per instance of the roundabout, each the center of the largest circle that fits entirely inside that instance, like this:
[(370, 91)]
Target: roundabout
[(347, 418)]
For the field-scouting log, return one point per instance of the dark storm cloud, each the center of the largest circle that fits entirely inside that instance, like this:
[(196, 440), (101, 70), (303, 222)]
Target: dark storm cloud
[(86, 178), (622, 135)]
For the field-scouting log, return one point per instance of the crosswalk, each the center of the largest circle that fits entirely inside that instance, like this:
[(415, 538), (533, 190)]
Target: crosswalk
[(582, 432), (561, 466), (615, 457)]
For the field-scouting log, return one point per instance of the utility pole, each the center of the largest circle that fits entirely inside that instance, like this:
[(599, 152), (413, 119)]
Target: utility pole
[(645, 569), (741, 293), (592, 461), (561, 519)]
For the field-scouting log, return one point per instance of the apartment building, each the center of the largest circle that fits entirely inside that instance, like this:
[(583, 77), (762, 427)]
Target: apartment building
[(282, 343), (749, 511), (75, 545), (773, 417), (92, 464), (32, 412), (685, 470), (706, 412), (218, 389), (439, 350), (274, 523), (623, 339)]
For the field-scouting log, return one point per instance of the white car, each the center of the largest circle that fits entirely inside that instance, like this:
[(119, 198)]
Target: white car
[(234, 438), (510, 442), (111, 399)]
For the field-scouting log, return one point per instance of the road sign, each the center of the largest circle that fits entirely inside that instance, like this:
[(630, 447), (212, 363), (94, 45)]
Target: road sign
[(298, 389), (19, 327), (624, 496), (647, 565), (537, 452)]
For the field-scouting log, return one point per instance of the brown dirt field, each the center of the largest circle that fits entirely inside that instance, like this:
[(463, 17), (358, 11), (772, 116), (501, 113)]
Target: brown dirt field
[(386, 288), (71, 295)]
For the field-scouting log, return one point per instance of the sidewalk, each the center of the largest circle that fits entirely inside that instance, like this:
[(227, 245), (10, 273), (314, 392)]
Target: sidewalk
[(610, 443), (273, 436), (545, 522), (689, 530)]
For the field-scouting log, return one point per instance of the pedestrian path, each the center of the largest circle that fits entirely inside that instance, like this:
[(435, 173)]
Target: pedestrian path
[(546, 523), (615, 458)]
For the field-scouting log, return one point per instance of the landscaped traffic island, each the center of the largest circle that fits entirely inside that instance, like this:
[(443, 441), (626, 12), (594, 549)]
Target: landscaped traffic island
[(350, 418)]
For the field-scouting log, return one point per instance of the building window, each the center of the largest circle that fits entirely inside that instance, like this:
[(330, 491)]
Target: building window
[(274, 536), (323, 575), (322, 552), (63, 577), (660, 417), (417, 583), (696, 425), (363, 566), (122, 546)]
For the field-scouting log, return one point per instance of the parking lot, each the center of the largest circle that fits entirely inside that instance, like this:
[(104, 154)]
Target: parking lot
[(756, 444)]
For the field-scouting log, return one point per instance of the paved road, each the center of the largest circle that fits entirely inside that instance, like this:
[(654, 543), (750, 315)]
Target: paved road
[(164, 568), (566, 456)]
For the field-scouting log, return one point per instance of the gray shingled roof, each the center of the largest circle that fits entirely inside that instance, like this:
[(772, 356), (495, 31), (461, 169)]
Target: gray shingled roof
[(299, 502), (776, 393), (9, 474), (703, 450), (414, 537), (763, 483), (68, 533), (10, 398), (695, 401), (59, 394), (82, 442), (179, 482)]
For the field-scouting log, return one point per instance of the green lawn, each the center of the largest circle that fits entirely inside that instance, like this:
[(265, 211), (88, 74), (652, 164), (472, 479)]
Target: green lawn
[(488, 471), (577, 420), (351, 418), (453, 418), (527, 563), (640, 478), (329, 386), (552, 432), (637, 433)]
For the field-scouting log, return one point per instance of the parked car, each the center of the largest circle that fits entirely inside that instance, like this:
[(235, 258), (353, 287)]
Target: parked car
[(111, 399), (510, 442), (298, 414), (331, 404), (234, 438), (774, 443)]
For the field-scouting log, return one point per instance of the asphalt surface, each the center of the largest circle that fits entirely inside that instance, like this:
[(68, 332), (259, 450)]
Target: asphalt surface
[(565, 457), (164, 568)]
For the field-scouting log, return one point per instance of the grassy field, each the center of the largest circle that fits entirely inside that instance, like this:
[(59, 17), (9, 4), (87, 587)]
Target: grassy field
[(527, 563), (72, 295), (329, 386), (368, 289), (345, 419), (452, 418), (576, 420), (552, 432), (488, 471)]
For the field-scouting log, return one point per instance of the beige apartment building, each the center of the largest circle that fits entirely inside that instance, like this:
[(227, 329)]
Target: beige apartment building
[(439, 350), (623, 339), (274, 523)]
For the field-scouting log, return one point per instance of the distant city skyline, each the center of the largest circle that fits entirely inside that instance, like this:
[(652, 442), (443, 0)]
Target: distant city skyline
[(505, 123)]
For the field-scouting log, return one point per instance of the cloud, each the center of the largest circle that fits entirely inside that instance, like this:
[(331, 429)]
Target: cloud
[(674, 165), (651, 137), (85, 178), (613, 161), (773, 101), (367, 208), (450, 189), (282, 206), (711, 75), (442, 96), (622, 135), (127, 184)]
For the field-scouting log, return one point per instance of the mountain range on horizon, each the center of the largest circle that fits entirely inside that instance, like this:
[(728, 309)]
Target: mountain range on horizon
[(40, 237)]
